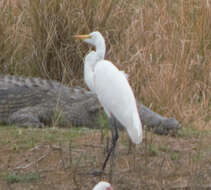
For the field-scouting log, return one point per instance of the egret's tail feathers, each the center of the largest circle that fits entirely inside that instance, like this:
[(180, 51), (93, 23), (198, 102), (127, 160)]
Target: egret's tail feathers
[(135, 131)]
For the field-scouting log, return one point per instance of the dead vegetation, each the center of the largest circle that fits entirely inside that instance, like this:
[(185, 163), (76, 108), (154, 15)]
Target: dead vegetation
[(164, 46), (63, 158)]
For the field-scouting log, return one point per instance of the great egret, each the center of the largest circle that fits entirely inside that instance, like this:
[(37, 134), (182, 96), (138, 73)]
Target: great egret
[(103, 186), (112, 89)]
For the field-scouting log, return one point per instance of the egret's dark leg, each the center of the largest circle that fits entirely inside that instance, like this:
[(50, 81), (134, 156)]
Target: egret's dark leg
[(115, 137)]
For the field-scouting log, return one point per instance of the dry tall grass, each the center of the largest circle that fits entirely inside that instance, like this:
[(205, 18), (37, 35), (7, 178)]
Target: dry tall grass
[(164, 46)]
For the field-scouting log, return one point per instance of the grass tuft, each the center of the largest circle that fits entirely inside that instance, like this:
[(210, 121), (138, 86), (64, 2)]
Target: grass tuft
[(25, 178)]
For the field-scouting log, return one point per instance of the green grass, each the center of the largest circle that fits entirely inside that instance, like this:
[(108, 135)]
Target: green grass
[(153, 150), (190, 132), (22, 178), (175, 155), (24, 138), (103, 121)]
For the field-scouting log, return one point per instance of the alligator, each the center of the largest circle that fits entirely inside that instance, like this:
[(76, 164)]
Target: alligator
[(35, 102)]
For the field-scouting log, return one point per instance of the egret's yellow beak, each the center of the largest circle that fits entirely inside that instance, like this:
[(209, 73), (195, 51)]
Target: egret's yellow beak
[(86, 36)]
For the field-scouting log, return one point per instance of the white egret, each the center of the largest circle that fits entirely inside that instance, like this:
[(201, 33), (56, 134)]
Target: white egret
[(103, 186), (112, 89)]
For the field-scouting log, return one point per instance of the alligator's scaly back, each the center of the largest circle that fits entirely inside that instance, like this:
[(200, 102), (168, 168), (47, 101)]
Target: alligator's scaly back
[(75, 93), (8, 81), (38, 107), (34, 102)]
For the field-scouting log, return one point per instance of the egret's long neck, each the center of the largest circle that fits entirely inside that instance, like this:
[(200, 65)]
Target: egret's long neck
[(90, 62), (100, 48)]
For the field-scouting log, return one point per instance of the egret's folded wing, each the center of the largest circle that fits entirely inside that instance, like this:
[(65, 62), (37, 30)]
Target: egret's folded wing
[(116, 96)]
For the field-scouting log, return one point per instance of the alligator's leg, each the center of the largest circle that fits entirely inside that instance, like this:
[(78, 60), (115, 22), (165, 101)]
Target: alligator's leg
[(28, 117)]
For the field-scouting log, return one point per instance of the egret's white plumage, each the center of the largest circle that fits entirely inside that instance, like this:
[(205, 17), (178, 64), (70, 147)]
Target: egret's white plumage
[(103, 186), (116, 96), (125, 74), (112, 88)]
